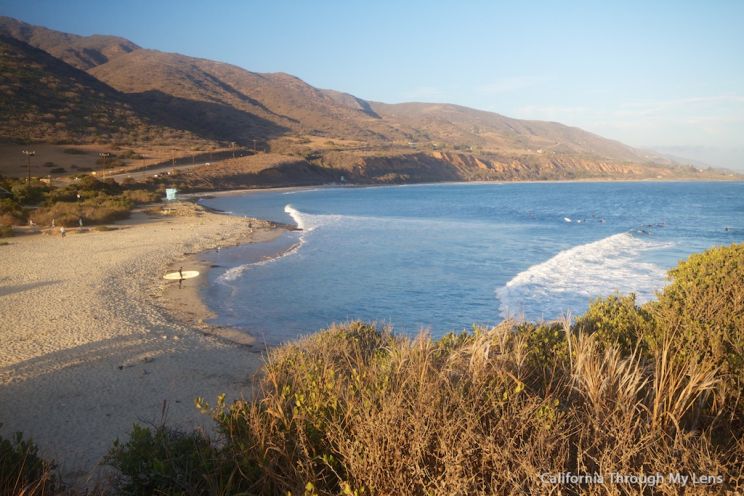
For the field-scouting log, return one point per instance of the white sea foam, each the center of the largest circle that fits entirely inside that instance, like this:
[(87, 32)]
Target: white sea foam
[(574, 276), (294, 192), (309, 222), (235, 272), (296, 216), (303, 221)]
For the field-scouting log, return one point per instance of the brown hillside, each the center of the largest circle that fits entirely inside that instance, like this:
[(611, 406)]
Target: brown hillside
[(290, 103), (82, 52), (453, 124), (256, 171), (45, 99), (281, 99)]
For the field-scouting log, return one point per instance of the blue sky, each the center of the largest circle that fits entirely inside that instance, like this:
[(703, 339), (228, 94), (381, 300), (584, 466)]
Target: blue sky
[(662, 74)]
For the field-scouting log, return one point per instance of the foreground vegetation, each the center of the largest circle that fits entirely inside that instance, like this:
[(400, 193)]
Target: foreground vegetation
[(356, 409)]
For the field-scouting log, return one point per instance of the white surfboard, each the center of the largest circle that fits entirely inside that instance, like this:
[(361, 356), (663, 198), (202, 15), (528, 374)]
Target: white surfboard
[(187, 274)]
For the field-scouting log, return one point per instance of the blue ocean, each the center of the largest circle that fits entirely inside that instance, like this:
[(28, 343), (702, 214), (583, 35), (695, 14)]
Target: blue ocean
[(444, 257)]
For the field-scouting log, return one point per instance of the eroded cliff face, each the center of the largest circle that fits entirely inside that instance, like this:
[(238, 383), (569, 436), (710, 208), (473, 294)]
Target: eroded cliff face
[(437, 166), (272, 169)]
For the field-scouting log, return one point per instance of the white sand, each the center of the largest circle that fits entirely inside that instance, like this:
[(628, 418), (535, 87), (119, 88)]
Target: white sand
[(86, 348)]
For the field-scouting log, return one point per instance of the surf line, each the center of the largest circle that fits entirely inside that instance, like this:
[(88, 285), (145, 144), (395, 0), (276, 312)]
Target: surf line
[(574, 276)]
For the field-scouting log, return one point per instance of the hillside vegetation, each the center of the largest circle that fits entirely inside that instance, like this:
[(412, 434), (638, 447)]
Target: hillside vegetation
[(105, 89), (356, 409), (44, 99), (85, 202), (82, 52)]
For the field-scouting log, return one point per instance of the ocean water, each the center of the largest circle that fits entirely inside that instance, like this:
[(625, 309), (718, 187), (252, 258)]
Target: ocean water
[(444, 257)]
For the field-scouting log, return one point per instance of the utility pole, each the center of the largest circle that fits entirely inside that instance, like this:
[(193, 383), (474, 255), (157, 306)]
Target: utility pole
[(28, 154)]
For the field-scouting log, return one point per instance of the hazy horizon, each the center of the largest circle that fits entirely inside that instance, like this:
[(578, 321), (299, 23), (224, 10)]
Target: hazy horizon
[(666, 76)]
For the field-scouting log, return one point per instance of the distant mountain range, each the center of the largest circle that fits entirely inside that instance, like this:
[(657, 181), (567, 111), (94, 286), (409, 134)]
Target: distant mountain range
[(63, 88)]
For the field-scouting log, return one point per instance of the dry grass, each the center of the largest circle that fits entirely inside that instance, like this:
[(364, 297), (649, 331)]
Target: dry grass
[(354, 408), (22, 472), (95, 211)]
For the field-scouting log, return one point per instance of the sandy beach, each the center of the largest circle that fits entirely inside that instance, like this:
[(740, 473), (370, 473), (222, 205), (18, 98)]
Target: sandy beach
[(94, 339)]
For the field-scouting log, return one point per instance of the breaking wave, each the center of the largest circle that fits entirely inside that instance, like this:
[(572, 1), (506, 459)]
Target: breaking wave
[(235, 272), (576, 275), (296, 215), (304, 222)]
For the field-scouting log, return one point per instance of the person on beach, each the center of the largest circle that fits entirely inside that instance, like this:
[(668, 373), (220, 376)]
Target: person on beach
[(180, 275), (62, 231)]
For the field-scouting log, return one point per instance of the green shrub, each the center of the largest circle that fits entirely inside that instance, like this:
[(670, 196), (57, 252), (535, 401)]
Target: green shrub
[(701, 312), (66, 194), (22, 471), (617, 320), (140, 196), (161, 460), (25, 194), (545, 344), (100, 209), (11, 213), (92, 183)]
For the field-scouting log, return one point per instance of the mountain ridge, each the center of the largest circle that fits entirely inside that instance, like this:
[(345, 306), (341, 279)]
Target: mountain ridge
[(79, 51), (220, 103)]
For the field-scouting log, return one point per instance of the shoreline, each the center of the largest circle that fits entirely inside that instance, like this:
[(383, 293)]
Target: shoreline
[(196, 311), (273, 189), (185, 302), (95, 341)]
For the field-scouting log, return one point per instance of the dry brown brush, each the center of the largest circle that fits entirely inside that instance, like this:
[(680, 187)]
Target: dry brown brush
[(357, 409)]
